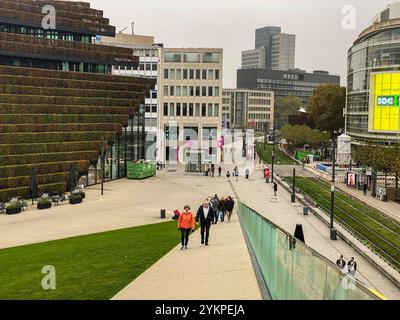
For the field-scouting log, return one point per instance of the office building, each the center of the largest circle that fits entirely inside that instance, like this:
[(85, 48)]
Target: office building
[(247, 109), (373, 81), (254, 59), (59, 104), (149, 62), (190, 98), (283, 50), (284, 83), (274, 50)]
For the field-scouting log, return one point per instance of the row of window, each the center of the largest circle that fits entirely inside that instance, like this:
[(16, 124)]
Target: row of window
[(192, 57), (263, 102), (191, 110), (190, 133), (191, 74), (260, 109), (191, 91), (259, 116)]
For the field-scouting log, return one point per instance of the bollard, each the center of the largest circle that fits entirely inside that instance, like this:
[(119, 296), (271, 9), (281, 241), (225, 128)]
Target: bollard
[(305, 211), (333, 234), (162, 213)]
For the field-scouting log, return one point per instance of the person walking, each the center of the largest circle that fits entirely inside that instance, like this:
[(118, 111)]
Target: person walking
[(215, 206), (222, 209), (205, 215), (185, 225), (352, 267), (229, 205), (219, 171), (212, 170), (247, 173), (341, 263), (275, 188), (228, 174)]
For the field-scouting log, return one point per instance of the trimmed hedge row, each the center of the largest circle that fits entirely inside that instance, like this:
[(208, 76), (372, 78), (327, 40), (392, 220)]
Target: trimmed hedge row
[(44, 168), (7, 160), (70, 83), (52, 91), (49, 147), (90, 101), (8, 128), (16, 182), (41, 137), (65, 109), (47, 73), (23, 192)]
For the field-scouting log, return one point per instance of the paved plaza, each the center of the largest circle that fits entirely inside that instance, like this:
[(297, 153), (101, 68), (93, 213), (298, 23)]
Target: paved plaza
[(221, 271)]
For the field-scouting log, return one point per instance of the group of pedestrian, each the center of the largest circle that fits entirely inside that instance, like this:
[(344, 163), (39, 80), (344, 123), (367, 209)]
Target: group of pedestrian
[(350, 267), (207, 214), (211, 171)]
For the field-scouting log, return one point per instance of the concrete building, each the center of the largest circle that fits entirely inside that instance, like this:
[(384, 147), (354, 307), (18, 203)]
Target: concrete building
[(274, 50), (373, 81), (189, 102), (283, 51), (254, 59), (149, 61), (284, 83), (247, 109)]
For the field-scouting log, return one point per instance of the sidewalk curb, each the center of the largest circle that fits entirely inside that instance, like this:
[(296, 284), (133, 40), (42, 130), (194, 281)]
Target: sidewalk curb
[(355, 246)]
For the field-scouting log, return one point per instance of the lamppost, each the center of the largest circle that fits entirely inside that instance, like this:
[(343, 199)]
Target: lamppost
[(333, 234), (293, 199), (273, 153), (102, 164)]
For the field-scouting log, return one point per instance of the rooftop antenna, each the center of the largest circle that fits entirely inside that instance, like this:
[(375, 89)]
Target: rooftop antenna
[(133, 27), (123, 30)]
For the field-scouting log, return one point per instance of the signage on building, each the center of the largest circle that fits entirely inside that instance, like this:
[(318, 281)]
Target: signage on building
[(384, 114)]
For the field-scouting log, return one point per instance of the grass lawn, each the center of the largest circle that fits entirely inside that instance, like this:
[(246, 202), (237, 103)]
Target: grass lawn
[(379, 232), (95, 266), (265, 152)]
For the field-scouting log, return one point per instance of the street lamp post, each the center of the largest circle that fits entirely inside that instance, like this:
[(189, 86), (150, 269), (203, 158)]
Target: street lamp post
[(294, 186), (273, 154), (102, 165), (333, 232)]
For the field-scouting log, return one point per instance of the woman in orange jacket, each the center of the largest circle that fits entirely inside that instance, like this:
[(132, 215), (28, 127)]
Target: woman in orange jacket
[(185, 225)]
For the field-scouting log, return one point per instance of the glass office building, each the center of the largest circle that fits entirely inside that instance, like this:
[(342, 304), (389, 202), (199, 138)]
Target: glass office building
[(372, 110)]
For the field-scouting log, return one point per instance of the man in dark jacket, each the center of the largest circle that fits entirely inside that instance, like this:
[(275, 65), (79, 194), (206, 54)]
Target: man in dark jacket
[(205, 215), (275, 188), (229, 205)]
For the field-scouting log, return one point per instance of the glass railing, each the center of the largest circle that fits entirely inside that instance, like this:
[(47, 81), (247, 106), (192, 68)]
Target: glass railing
[(293, 271)]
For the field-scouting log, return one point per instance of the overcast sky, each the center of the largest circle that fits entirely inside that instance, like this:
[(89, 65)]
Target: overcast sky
[(321, 43)]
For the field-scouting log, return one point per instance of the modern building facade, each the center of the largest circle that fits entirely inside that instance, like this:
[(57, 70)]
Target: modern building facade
[(247, 109), (59, 104), (149, 62), (284, 83), (283, 51), (190, 97), (254, 59), (274, 50), (373, 88)]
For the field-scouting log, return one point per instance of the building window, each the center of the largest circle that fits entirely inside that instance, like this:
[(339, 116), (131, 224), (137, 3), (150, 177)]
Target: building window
[(191, 91), (197, 91), (166, 74), (210, 74), (185, 110), (165, 109), (216, 92), (178, 91), (216, 110), (216, 74), (198, 74), (204, 91), (171, 133), (211, 57), (172, 57), (191, 57), (178, 74), (178, 109), (204, 74), (210, 110), (171, 90), (185, 74), (191, 74), (204, 110), (191, 110), (172, 109), (172, 74), (166, 91), (197, 110), (210, 91), (184, 91)]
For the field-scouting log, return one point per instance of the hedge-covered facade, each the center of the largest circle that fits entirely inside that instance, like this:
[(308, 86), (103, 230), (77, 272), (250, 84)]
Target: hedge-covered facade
[(51, 118)]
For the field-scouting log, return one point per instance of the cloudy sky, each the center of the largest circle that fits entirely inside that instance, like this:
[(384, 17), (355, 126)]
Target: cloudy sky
[(322, 42)]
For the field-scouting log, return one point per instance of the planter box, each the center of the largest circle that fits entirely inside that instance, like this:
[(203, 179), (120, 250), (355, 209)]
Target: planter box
[(13, 210), (44, 206), (75, 200)]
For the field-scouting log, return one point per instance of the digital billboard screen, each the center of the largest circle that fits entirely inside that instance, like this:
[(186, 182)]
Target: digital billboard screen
[(384, 115)]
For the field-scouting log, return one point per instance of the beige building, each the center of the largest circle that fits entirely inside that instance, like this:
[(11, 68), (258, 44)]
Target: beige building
[(254, 59), (247, 109), (190, 97)]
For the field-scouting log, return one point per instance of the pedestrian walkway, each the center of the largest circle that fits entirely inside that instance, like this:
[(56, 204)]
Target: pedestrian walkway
[(221, 271), (259, 195)]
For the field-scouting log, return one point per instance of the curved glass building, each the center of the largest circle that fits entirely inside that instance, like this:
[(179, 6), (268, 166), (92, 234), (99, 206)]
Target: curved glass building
[(372, 111)]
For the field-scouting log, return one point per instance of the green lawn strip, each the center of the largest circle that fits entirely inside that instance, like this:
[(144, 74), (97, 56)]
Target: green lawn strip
[(319, 192), (94, 266), (265, 152)]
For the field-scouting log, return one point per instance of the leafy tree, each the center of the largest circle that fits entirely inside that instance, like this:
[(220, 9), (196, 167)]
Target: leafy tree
[(326, 108), (285, 106)]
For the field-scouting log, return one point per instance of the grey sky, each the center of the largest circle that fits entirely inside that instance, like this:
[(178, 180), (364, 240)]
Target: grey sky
[(321, 43)]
